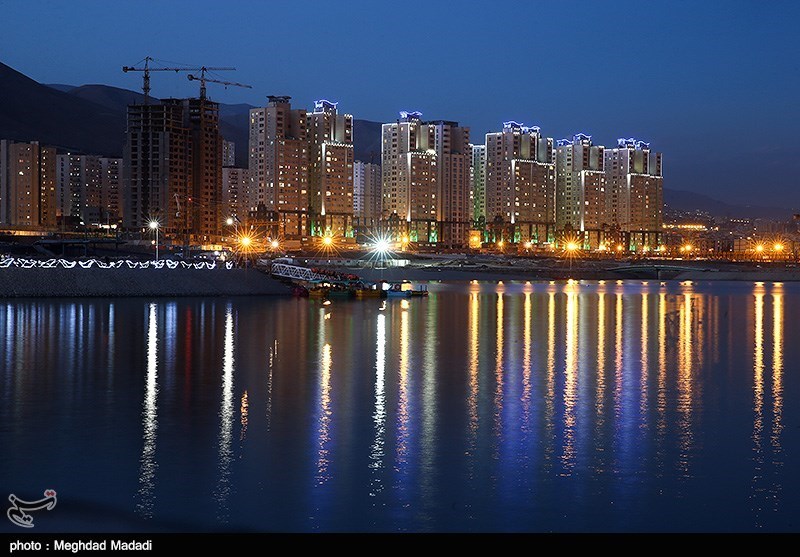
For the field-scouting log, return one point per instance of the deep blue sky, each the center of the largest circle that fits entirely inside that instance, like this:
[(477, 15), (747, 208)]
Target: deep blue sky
[(714, 85)]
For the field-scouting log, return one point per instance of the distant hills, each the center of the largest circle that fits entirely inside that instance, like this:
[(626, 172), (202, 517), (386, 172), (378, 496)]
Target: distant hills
[(91, 119), (32, 111), (681, 200)]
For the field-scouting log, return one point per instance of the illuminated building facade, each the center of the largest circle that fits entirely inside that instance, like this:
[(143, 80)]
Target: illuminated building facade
[(228, 153), (452, 201), (330, 170), (426, 180), (581, 190), (478, 183), (366, 195), (278, 164), (409, 179), (635, 192), (27, 184), (235, 183), (520, 184)]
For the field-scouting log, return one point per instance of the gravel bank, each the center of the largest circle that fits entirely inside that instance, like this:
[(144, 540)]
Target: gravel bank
[(95, 282)]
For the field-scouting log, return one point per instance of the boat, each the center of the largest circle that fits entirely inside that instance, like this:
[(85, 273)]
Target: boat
[(397, 289), (421, 290), (369, 290), (324, 289)]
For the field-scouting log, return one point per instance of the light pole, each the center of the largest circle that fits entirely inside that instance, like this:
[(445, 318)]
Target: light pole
[(154, 226), (245, 242)]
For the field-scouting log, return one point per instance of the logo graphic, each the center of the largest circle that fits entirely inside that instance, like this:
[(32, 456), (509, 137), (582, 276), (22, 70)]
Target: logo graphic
[(16, 512)]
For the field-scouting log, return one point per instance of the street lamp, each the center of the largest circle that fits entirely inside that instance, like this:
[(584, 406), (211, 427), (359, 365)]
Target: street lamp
[(153, 224), (229, 221), (245, 241), (571, 248), (381, 249)]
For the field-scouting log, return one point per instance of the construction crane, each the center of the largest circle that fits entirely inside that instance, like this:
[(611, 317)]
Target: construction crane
[(147, 68), (203, 80)]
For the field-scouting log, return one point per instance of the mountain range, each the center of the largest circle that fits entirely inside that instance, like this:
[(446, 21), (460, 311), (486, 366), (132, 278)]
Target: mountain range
[(91, 119)]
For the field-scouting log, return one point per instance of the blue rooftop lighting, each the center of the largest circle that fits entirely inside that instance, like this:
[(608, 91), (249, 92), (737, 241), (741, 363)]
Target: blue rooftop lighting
[(323, 104)]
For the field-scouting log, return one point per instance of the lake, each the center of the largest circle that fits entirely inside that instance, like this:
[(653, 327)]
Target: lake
[(486, 407)]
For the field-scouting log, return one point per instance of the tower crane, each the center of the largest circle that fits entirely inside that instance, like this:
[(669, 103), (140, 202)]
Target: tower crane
[(203, 80), (146, 68)]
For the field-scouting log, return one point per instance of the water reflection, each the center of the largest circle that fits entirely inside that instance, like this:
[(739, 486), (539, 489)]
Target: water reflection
[(777, 394), (377, 452), (570, 380), (484, 407), (324, 412), (147, 468), (499, 367), (768, 459), (685, 365), (223, 490)]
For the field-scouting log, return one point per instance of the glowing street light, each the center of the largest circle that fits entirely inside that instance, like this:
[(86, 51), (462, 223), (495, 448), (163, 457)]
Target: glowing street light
[(245, 241), (528, 244), (760, 248), (381, 246), (274, 244), (153, 224), (778, 247), (327, 241), (229, 221)]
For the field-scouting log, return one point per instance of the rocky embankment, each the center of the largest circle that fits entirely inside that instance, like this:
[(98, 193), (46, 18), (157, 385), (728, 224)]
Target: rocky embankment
[(55, 282)]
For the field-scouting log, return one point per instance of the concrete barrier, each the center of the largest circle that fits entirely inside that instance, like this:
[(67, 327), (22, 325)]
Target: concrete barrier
[(16, 282)]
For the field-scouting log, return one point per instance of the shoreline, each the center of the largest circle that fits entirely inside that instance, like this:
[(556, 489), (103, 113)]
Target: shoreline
[(496, 274), (94, 282)]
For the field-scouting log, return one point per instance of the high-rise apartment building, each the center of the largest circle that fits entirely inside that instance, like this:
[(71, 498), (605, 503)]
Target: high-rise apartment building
[(409, 179), (581, 190), (330, 169), (201, 117), (366, 196), (27, 184), (173, 168), (158, 167), (80, 188), (228, 153), (478, 183), (278, 164), (520, 184), (235, 182), (453, 158), (111, 184), (634, 187)]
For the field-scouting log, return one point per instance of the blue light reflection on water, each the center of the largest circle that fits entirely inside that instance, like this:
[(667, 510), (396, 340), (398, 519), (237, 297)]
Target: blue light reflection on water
[(486, 407)]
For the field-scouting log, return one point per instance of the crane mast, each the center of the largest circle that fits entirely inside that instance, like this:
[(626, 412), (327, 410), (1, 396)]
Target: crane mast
[(146, 68), (203, 80)]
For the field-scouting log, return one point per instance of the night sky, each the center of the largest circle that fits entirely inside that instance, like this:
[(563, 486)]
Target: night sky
[(714, 85)]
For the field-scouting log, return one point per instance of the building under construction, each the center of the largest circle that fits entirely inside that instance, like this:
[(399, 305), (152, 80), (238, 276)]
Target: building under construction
[(173, 168)]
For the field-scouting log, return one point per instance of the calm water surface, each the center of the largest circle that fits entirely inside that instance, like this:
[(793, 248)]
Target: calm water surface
[(486, 407)]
